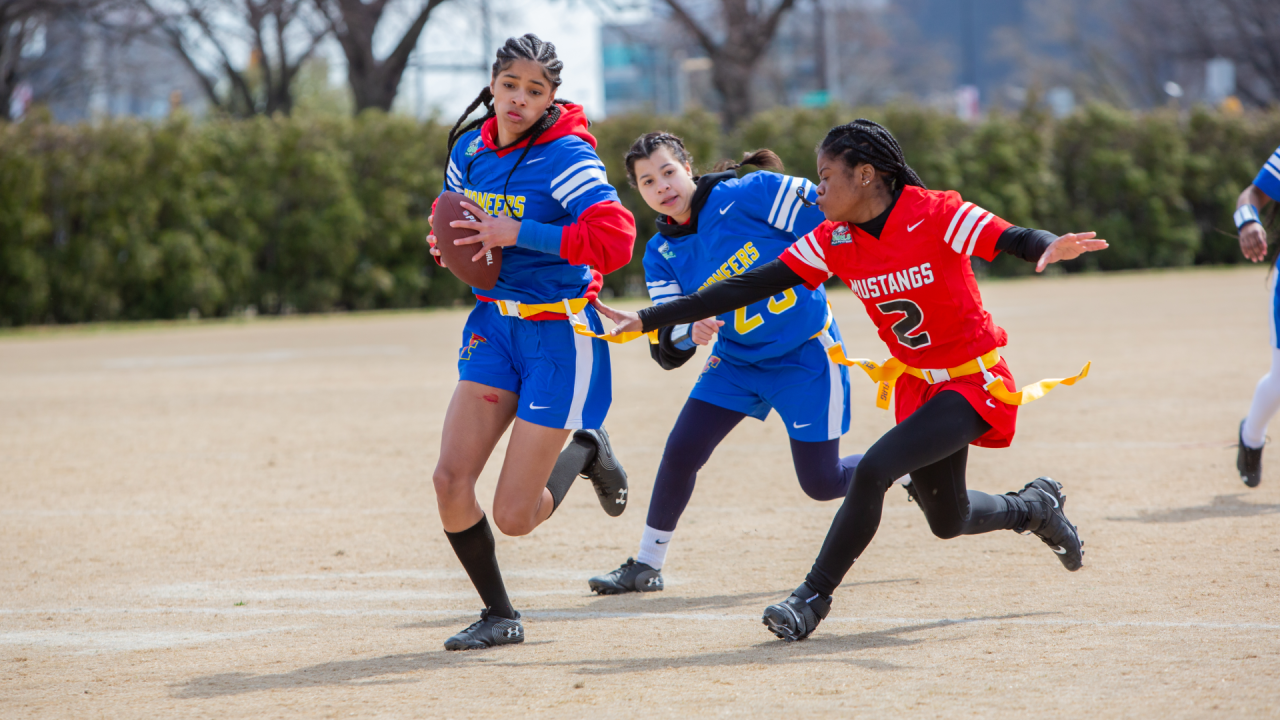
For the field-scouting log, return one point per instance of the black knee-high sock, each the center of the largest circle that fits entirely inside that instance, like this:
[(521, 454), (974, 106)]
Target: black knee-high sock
[(572, 461), (993, 512), (475, 548)]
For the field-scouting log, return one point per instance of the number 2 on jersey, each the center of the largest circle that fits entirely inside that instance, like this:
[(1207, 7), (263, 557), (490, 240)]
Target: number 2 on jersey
[(912, 319), (744, 324)]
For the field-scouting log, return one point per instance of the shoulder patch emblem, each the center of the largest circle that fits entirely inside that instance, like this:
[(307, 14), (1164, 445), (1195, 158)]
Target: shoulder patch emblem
[(665, 249), (475, 145), (841, 236)]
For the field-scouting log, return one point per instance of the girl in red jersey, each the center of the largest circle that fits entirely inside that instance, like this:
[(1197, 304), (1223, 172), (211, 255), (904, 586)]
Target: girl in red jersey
[(904, 251)]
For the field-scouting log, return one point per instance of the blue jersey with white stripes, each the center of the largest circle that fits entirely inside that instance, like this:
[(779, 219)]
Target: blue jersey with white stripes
[(745, 222), (554, 184), (1268, 180)]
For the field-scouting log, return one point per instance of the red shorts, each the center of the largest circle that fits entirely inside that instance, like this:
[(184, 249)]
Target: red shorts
[(911, 392)]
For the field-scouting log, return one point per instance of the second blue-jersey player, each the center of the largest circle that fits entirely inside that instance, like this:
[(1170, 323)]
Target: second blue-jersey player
[(768, 356)]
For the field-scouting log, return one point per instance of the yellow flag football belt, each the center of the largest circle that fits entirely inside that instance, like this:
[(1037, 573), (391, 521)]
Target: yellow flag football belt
[(887, 376), (571, 308)]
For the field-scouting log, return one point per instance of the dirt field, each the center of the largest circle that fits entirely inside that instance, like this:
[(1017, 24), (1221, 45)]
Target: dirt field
[(237, 520)]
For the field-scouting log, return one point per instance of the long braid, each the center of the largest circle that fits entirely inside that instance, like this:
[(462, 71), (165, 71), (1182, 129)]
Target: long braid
[(864, 141), (484, 98)]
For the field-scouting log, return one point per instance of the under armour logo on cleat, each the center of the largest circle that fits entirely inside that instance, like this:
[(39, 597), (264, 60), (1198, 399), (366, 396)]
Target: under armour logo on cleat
[(622, 497), (512, 632)]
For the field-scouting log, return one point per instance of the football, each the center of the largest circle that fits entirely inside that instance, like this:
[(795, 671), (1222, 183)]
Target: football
[(481, 274)]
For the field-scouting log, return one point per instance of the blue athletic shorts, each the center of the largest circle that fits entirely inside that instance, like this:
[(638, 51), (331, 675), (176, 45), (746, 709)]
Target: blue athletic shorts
[(810, 392), (563, 378)]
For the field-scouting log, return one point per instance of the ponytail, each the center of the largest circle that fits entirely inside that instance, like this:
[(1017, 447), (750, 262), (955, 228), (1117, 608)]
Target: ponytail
[(764, 158)]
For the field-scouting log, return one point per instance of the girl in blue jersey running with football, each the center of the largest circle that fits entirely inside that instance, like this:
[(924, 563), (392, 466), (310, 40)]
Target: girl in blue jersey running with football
[(770, 355), (538, 191)]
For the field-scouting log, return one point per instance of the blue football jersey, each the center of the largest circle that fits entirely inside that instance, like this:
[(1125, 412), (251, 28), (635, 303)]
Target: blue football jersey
[(745, 222), (1268, 180), (554, 184)]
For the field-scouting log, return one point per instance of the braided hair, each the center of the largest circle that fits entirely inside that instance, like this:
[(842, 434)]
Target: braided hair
[(526, 47), (864, 141), (646, 145)]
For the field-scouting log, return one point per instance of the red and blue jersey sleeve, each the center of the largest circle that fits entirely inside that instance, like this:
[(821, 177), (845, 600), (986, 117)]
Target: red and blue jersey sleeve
[(808, 256), (1268, 180), (969, 230), (775, 199), (603, 232)]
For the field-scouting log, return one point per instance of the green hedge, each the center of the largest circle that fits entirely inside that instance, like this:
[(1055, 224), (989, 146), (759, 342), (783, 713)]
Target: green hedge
[(133, 220)]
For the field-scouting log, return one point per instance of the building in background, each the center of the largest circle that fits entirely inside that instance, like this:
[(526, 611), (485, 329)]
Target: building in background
[(82, 71)]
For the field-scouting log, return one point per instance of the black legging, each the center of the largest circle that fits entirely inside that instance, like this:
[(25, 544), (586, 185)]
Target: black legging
[(932, 445), (822, 473)]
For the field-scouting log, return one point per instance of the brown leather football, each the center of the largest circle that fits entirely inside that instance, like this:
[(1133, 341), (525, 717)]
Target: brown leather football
[(481, 274)]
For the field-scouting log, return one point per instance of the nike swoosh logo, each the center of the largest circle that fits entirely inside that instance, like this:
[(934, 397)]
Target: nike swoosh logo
[(535, 160), (1060, 550), (661, 542), (798, 426), (990, 404), (725, 209), (909, 227), (538, 407)]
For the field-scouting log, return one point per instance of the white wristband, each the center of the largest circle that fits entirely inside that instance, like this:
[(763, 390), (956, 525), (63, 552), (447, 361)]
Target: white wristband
[(1245, 214)]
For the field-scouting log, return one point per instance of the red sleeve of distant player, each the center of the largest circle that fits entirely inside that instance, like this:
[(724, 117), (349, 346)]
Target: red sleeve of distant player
[(807, 256), (970, 230), (603, 237)]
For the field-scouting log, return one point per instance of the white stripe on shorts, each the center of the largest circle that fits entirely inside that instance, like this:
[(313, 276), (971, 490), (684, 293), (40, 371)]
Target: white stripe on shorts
[(584, 363), (835, 408)]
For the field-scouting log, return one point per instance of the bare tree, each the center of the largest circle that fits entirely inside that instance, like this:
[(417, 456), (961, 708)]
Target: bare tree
[(1247, 32), (374, 82), (276, 37), (20, 21), (747, 29)]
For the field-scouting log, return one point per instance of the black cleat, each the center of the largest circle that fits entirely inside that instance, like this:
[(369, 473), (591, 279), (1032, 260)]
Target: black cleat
[(1248, 461), (798, 616), (1046, 518), (631, 576), (488, 631), (605, 472)]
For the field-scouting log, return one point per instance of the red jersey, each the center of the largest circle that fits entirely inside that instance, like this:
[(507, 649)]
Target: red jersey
[(915, 280)]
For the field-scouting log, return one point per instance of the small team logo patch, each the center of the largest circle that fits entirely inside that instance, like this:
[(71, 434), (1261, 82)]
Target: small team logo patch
[(475, 145), (841, 236), (713, 362), (665, 249), (465, 353)]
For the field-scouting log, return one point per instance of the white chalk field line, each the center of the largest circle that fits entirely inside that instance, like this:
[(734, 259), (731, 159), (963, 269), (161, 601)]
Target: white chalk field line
[(604, 615)]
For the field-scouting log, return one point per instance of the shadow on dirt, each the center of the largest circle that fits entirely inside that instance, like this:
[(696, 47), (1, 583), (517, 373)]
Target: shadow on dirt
[(1222, 506), (639, 603), (825, 646), (368, 671)]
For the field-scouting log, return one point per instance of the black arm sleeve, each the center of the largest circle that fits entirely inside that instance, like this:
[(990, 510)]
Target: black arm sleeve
[(666, 354), (730, 294), (1025, 243)]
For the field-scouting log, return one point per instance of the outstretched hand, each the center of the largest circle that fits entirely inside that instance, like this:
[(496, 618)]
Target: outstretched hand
[(491, 230), (1253, 242), (623, 320), (1070, 247)]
